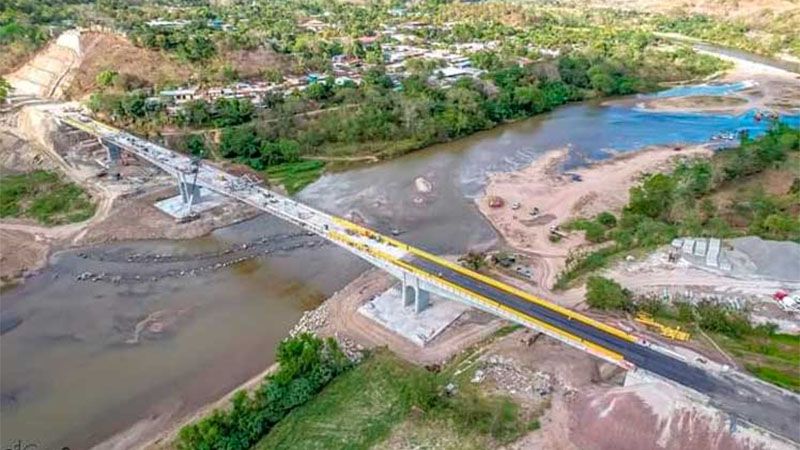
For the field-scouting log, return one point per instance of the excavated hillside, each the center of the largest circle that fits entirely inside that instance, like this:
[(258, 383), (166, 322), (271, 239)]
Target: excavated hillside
[(140, 66), (50, 69), (67, 67)]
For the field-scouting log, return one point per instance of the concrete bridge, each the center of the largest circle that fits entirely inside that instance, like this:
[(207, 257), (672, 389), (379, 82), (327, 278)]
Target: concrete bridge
[(422, 273)]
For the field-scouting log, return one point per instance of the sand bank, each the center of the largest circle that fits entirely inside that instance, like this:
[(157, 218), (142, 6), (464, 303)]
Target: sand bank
[(542, 185)]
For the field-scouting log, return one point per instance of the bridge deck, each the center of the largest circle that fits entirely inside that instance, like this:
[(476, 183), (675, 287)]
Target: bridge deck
[(768, 407), (633, 352)]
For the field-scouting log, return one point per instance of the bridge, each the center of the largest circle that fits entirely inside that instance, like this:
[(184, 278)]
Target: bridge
[(422, 273)]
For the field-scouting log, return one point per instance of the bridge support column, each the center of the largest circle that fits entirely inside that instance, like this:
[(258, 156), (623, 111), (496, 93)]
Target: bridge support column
[(423, 301), (112, 152), (414, 295), (190, 192)]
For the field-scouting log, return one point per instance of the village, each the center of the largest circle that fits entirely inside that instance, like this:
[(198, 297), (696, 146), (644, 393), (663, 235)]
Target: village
[(398, 44)]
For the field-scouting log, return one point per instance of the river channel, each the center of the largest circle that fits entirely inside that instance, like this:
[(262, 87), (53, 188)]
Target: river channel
[(81, 360)]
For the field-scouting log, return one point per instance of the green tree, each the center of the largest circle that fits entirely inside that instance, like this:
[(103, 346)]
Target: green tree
[(106, 78), (196, 145), (604, 293), (653, 198)]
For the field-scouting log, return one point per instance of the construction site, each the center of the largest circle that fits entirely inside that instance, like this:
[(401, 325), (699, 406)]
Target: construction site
[(597, 378)]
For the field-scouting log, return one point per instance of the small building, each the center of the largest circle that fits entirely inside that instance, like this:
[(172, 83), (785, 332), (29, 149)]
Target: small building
[(180, 95), (167, 24)]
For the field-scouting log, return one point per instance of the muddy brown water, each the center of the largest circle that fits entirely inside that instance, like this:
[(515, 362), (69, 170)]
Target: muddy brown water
[(75, 370)]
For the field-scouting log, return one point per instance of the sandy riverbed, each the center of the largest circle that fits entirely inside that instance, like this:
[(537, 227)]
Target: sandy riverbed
[(604, 187), (771, 89)]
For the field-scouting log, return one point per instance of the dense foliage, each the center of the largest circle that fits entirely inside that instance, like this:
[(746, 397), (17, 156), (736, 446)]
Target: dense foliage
[(306, 365), (603, 293), (5, 89), (26, 25), (681, 203)]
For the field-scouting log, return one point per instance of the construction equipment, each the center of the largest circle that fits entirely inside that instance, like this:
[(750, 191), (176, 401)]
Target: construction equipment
[(672, 333)]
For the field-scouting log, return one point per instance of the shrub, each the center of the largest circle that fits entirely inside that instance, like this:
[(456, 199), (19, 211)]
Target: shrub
[(306, 365), (606, 219), (604, 293)]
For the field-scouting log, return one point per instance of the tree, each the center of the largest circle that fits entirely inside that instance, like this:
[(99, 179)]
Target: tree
[(604, 293), (106, 78), (653, 198), (196, 113), (572, 70), (239, 142), (196, 145)]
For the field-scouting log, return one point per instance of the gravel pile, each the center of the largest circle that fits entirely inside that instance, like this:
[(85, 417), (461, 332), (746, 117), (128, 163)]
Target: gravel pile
[(315, 321), (312, 321), (513, 379)]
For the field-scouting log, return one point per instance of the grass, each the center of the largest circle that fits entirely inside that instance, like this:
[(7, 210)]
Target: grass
[(356, 411), (295, 176), (776, 377), (385, 399), (44, 197), (774, 359)]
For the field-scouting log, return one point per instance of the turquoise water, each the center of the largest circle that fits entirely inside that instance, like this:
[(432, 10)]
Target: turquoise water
[(702, 89)]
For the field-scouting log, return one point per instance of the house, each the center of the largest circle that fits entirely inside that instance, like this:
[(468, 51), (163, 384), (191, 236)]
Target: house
[(446, 76), (167, 24), (180, 95)]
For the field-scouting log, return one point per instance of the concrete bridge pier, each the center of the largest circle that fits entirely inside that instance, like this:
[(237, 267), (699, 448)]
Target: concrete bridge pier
[(113, 151), (190, 192), (414, 295)]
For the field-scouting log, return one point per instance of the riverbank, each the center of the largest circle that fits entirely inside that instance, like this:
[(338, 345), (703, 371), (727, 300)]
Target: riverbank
[(762, 87), (559, 197), (336, 317), (123, 208)]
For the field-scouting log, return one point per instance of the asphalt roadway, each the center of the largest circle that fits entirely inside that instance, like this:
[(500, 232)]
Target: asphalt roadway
[(761, 404)]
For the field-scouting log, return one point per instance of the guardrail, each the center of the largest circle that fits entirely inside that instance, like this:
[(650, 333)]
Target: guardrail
[(318, 221), (492, 282), (486, 302)]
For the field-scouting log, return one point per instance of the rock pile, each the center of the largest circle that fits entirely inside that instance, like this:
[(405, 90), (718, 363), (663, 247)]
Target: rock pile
[(312, 321), (315, 321), (513, 379)]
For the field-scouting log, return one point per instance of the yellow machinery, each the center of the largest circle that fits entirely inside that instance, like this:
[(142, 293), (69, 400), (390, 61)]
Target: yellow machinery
[(669, 332)]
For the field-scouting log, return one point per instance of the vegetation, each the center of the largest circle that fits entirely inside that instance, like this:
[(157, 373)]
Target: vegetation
[(44, 197), (294, 176), (5, 89), (690, 202), (603, 293), (306, 365), (769, 355), (25, 25), (731, 34), (361, 408)]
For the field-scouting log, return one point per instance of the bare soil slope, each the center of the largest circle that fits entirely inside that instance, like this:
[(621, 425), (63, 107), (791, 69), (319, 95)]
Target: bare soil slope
[(105, 51)]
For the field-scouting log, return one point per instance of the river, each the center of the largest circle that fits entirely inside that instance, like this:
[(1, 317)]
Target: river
[(76, 369)]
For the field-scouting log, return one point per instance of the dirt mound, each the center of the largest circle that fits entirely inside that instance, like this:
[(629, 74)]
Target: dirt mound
[(105, 51), (655, 415)]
